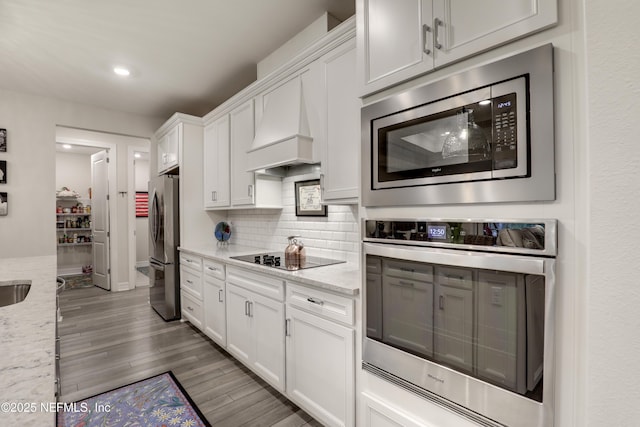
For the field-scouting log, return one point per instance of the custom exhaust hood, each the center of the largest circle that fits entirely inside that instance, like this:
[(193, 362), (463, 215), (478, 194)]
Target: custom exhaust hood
[(282, 137)]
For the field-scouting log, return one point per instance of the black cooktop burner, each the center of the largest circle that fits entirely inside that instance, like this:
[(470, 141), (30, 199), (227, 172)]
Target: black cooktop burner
[(276, 260)]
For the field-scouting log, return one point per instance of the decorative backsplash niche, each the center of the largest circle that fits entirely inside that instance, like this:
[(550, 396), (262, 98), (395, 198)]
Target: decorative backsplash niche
[(334, 236)]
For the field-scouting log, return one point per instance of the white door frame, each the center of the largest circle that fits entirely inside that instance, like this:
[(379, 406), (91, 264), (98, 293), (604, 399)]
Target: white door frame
[(113, 212), (131, 209)]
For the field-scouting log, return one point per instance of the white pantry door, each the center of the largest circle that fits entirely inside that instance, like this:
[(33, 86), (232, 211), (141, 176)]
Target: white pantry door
[(100, 219)]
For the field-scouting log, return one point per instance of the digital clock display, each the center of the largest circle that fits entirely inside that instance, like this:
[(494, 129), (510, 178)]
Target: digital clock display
[(437, 232)]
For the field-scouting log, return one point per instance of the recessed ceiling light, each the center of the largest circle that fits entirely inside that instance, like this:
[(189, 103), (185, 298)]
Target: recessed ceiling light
[(121, 71), (485, 102), (137, 155), (66, 146)]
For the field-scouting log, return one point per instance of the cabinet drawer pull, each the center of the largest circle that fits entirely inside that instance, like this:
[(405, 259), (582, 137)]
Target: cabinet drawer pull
[(403, 283), (436, 43), (436, 23), (408, 270), (189, 282), (315, 301), (212, 268), (425, 30), (189, 308)]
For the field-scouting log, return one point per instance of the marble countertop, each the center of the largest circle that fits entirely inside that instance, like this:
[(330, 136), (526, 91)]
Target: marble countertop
[(27, 340), (341, 278)]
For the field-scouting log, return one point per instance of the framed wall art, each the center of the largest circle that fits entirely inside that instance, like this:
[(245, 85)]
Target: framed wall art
[(4, 204), (3, 171), (308, 198), (3, 140)]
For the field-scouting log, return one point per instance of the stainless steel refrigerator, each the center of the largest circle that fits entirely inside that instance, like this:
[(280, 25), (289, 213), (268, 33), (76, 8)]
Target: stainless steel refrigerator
[(164, 237)]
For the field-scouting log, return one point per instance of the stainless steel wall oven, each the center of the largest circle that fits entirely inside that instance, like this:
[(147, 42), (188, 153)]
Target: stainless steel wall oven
[(485, 135), (461, 312)]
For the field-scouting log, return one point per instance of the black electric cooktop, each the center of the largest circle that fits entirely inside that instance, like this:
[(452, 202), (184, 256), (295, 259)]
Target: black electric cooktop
[(276, 260)]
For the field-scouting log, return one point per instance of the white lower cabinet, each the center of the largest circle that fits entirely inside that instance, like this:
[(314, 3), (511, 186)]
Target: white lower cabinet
[(191, 309), (191, 289), (255, 324), (378, 413), (320, 356), (215, 318)]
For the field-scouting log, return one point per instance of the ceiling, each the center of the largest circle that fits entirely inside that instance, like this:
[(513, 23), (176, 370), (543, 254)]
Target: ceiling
[(183, 56)]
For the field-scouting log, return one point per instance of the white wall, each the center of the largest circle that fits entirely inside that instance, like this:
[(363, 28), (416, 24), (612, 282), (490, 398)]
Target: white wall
[(31, 124), (611, 230), (141, 181), (73, 171), (334, 236)]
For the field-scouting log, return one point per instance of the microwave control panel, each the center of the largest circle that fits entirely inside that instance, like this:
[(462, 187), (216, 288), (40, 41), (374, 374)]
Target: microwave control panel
[(505, 133)]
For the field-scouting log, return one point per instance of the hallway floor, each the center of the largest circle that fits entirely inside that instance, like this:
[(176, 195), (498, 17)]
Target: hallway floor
[(109, 339)]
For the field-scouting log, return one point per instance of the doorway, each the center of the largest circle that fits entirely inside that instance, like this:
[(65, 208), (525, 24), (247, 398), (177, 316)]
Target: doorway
[(82, 215), (139, 170), (121, 193)]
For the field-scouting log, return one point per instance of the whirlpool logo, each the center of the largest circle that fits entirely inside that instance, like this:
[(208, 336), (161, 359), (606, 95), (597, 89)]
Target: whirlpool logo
[(440, 380), (436, 170)]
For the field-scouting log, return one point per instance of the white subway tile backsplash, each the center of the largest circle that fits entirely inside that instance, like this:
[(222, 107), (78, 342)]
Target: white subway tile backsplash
[(335, 236)]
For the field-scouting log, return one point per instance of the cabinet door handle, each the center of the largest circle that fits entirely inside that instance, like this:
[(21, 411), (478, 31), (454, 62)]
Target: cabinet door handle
[(441, 302), (287, 325), (246, 308), (250, 309), (220, 295), (425, 29), (436, 23), (315, 301), (250, 190)]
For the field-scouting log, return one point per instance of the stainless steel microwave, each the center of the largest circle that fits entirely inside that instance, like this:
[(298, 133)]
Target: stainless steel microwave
[(484, 135)]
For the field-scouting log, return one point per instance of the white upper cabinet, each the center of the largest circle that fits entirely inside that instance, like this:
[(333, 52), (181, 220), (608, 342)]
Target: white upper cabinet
[(242, 130), (398, 40), (216, 163), (169, 149), (391, 41), (340, 165)]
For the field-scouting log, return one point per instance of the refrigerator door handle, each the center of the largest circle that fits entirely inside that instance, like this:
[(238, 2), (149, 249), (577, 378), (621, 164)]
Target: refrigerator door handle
[(154, 220)]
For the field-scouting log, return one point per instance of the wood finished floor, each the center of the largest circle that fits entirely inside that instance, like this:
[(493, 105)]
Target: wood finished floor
[(110, 339)]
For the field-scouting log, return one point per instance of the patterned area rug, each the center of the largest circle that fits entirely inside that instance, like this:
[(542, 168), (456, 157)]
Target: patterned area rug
[(156, 401)]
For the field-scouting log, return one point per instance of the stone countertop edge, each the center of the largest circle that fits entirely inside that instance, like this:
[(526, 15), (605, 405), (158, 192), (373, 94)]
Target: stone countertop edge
[(27, 340), (341, 278)]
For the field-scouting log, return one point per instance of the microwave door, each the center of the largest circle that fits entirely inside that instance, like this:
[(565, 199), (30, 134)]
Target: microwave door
[(429, 144)]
